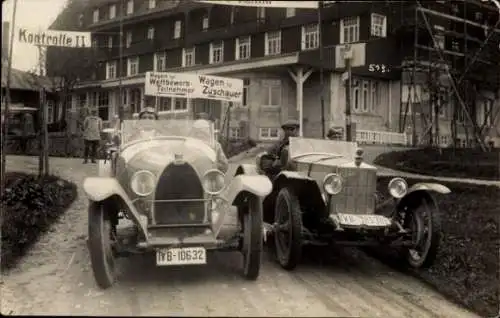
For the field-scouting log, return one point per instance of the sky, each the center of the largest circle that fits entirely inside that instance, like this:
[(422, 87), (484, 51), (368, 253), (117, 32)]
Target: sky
[(31, 14)]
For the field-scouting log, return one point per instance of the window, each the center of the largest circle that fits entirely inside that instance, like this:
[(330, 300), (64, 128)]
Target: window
[(478, 16), (290, 12), (310, 37), (128, 39), (204, 24), (151, 33), (81, 100), (50, 111), (439, 41), (379, 25), (349, 30), (375, 96), (103, 105), (439, 37), (164, 104), (151, 4), (235, 132), (271, 91), (110, 69), (110, 42), (487, 113), (246, 88), (216, 52), (172, 105), (112, 11), (132, 66), (95, 16), (95, 43), (180, 105), (130, 6), (188, 57), (177, 29), (160, 62), (365, 96), (261, 13), (267, 133), (243, 48), (272, 44)]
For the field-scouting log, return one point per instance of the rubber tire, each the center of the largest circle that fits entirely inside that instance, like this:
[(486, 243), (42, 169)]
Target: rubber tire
[(436, 235), (103, 274), (290, 259), (253, 238)]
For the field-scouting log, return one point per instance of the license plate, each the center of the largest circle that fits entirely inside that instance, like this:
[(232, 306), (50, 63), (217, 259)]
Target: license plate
[(181, 256), (364, 219)]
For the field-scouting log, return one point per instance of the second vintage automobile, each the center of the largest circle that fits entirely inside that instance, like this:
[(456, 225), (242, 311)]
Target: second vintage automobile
[(164, 178), (327, 195)]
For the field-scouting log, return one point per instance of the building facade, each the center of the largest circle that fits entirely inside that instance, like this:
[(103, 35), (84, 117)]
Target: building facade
[(274, 50)]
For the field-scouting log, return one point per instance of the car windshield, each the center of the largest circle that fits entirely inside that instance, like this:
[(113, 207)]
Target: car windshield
[(321, 148), (145, 129)]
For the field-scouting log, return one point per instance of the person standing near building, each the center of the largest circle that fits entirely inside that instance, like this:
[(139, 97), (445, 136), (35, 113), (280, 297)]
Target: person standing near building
[(92, 127)]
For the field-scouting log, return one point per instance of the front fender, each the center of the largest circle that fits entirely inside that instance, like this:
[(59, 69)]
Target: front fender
[(99, 189), (435, 187), (258, 185), (292, 175)]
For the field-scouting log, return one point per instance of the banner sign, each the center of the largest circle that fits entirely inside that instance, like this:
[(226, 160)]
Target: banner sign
[(267, 4), (191, 85), (54, 38)]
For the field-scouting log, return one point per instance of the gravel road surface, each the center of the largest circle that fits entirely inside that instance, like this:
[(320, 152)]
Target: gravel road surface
[(55, 279)]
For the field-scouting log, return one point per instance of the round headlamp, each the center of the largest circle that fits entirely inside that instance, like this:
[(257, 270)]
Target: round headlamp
[(332, 183), (214, 181), (143, 183), (398, 187)]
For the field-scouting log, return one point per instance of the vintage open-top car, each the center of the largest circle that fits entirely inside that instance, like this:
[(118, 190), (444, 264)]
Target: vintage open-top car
[(164, 176), (325, 195)]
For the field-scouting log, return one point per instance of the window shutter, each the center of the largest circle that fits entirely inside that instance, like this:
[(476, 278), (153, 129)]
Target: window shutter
[(237, 52), (303, 42)]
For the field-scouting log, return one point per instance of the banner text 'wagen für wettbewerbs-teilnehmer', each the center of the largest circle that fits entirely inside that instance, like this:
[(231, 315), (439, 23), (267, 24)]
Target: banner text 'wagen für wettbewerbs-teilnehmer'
[(54, 38)]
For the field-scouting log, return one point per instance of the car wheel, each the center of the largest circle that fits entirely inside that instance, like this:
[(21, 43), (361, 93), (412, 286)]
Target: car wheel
[(251, 217), (288, 229), (425, 224), (100, 243)]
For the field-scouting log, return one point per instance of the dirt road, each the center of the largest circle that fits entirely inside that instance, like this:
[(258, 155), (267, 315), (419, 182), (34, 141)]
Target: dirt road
[(55, 278)]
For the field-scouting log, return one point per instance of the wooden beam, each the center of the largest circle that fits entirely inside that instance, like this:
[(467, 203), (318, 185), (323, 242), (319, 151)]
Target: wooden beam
[(456, 19)]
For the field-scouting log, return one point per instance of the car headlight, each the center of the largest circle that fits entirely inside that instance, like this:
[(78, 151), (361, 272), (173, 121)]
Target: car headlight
[(398, 187), (214, 181), (332, 184), (143, 183)]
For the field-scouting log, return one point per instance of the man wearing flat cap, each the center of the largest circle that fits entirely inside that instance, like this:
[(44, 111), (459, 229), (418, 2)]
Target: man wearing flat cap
[(290, 129)]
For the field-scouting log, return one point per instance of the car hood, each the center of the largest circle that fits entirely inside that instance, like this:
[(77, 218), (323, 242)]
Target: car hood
[(316, 160), (155, 155)]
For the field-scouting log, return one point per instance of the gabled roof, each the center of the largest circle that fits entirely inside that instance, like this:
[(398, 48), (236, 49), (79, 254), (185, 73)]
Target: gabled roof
[(25, 81)]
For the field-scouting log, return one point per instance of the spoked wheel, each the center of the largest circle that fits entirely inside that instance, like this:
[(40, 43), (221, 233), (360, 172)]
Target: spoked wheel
[(102, 238), (288, 229), (425, 225), (251, 245)]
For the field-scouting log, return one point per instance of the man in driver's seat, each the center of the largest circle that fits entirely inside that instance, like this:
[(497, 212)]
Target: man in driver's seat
[(290, 129)]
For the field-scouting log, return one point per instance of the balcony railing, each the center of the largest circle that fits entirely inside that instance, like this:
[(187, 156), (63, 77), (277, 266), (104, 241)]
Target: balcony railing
[(382, 137)]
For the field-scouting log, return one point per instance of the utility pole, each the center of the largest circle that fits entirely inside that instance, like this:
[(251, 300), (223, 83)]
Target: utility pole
[(5, 113), (321, 79), (348, 88)]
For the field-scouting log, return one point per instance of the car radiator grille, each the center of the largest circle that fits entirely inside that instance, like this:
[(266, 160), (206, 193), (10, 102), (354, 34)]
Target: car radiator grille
[(358, 192), (179, 182)]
